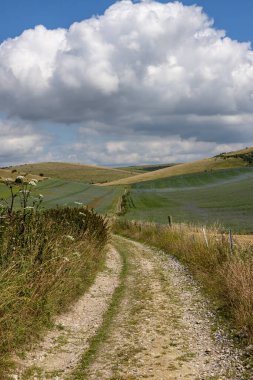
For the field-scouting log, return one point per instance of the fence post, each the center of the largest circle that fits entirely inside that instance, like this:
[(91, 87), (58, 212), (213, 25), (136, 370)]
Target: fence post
[(205, 236), (170, 220)]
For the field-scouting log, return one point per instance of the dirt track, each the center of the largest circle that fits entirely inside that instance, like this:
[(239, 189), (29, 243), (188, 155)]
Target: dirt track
[(62, 347), (162, 328)]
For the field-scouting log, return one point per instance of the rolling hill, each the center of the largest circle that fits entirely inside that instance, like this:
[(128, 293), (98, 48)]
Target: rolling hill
[(74, 172), (218, 196), (7, 173), (237, 159), (146, 168)]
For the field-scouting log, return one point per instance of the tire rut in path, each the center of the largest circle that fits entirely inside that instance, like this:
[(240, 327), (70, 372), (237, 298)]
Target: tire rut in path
[(163, 329), (60, 351)]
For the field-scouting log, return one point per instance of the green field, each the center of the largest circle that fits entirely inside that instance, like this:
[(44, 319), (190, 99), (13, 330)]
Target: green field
[(60, 193), (223, 197), (145, 168), (196, 180), (218, 196)]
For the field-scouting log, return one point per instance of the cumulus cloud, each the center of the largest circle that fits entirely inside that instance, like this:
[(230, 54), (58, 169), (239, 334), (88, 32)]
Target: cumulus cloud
[(148, 149), (146, 68), (20, 142)]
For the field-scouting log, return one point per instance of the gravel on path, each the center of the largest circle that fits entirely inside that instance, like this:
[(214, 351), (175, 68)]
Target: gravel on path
[(163, 329), (61, 349)]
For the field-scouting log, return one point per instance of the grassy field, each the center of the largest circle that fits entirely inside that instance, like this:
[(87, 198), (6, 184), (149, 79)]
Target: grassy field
[(223, 161), (204, 192), (223, 197), (74, 172), (6, 173), (196, 180), (61, 193), (146, 168)]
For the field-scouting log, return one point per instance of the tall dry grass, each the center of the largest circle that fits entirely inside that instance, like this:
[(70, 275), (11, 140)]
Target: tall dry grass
[(46, 262), (226, 276)]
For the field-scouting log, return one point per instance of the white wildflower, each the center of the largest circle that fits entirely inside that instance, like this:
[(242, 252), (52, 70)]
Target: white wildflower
[(70, 237), (25, 192), (41, 196), (32, 183), (20, 177), (81, 213)]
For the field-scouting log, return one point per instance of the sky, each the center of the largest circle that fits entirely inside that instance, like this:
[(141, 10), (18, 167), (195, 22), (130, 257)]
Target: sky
[(123, 83)]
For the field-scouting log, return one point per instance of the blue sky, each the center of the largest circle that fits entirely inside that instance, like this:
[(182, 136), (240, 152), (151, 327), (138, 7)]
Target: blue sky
[(146, 82), (16, 15)]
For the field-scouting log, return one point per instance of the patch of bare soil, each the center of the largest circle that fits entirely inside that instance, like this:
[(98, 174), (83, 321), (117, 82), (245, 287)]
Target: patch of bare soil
[(62, 347), (163, 329)]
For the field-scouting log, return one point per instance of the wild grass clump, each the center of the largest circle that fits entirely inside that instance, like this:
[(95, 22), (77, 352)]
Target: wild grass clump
[(227, 276), (46, 261)]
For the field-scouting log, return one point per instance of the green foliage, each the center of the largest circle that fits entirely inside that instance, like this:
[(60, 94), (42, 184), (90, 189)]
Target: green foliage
[(126, 203), (46, 262), (246, 156), (21, 189)]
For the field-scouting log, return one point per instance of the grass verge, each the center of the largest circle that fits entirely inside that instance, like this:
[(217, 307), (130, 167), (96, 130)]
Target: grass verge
[(103, 331), (47, 260), (226, 276)]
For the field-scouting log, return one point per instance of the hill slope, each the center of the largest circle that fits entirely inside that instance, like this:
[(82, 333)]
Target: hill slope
[(236, 159), (6, 173), (146, 168), (75, 172)]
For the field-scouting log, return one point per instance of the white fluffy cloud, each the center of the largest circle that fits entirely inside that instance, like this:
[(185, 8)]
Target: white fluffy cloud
[(130, 149), (20, 142), (147, 69)]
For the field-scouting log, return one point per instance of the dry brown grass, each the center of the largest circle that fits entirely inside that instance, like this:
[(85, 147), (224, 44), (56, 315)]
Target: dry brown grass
[(75, 172), (227, 277), (238, 284), (6, 173), (208, 164)]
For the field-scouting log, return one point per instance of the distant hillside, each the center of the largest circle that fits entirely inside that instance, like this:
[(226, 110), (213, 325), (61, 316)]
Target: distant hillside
[(245, 154), (235, 159), (74, 172), (146, 168), (13, 173)]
